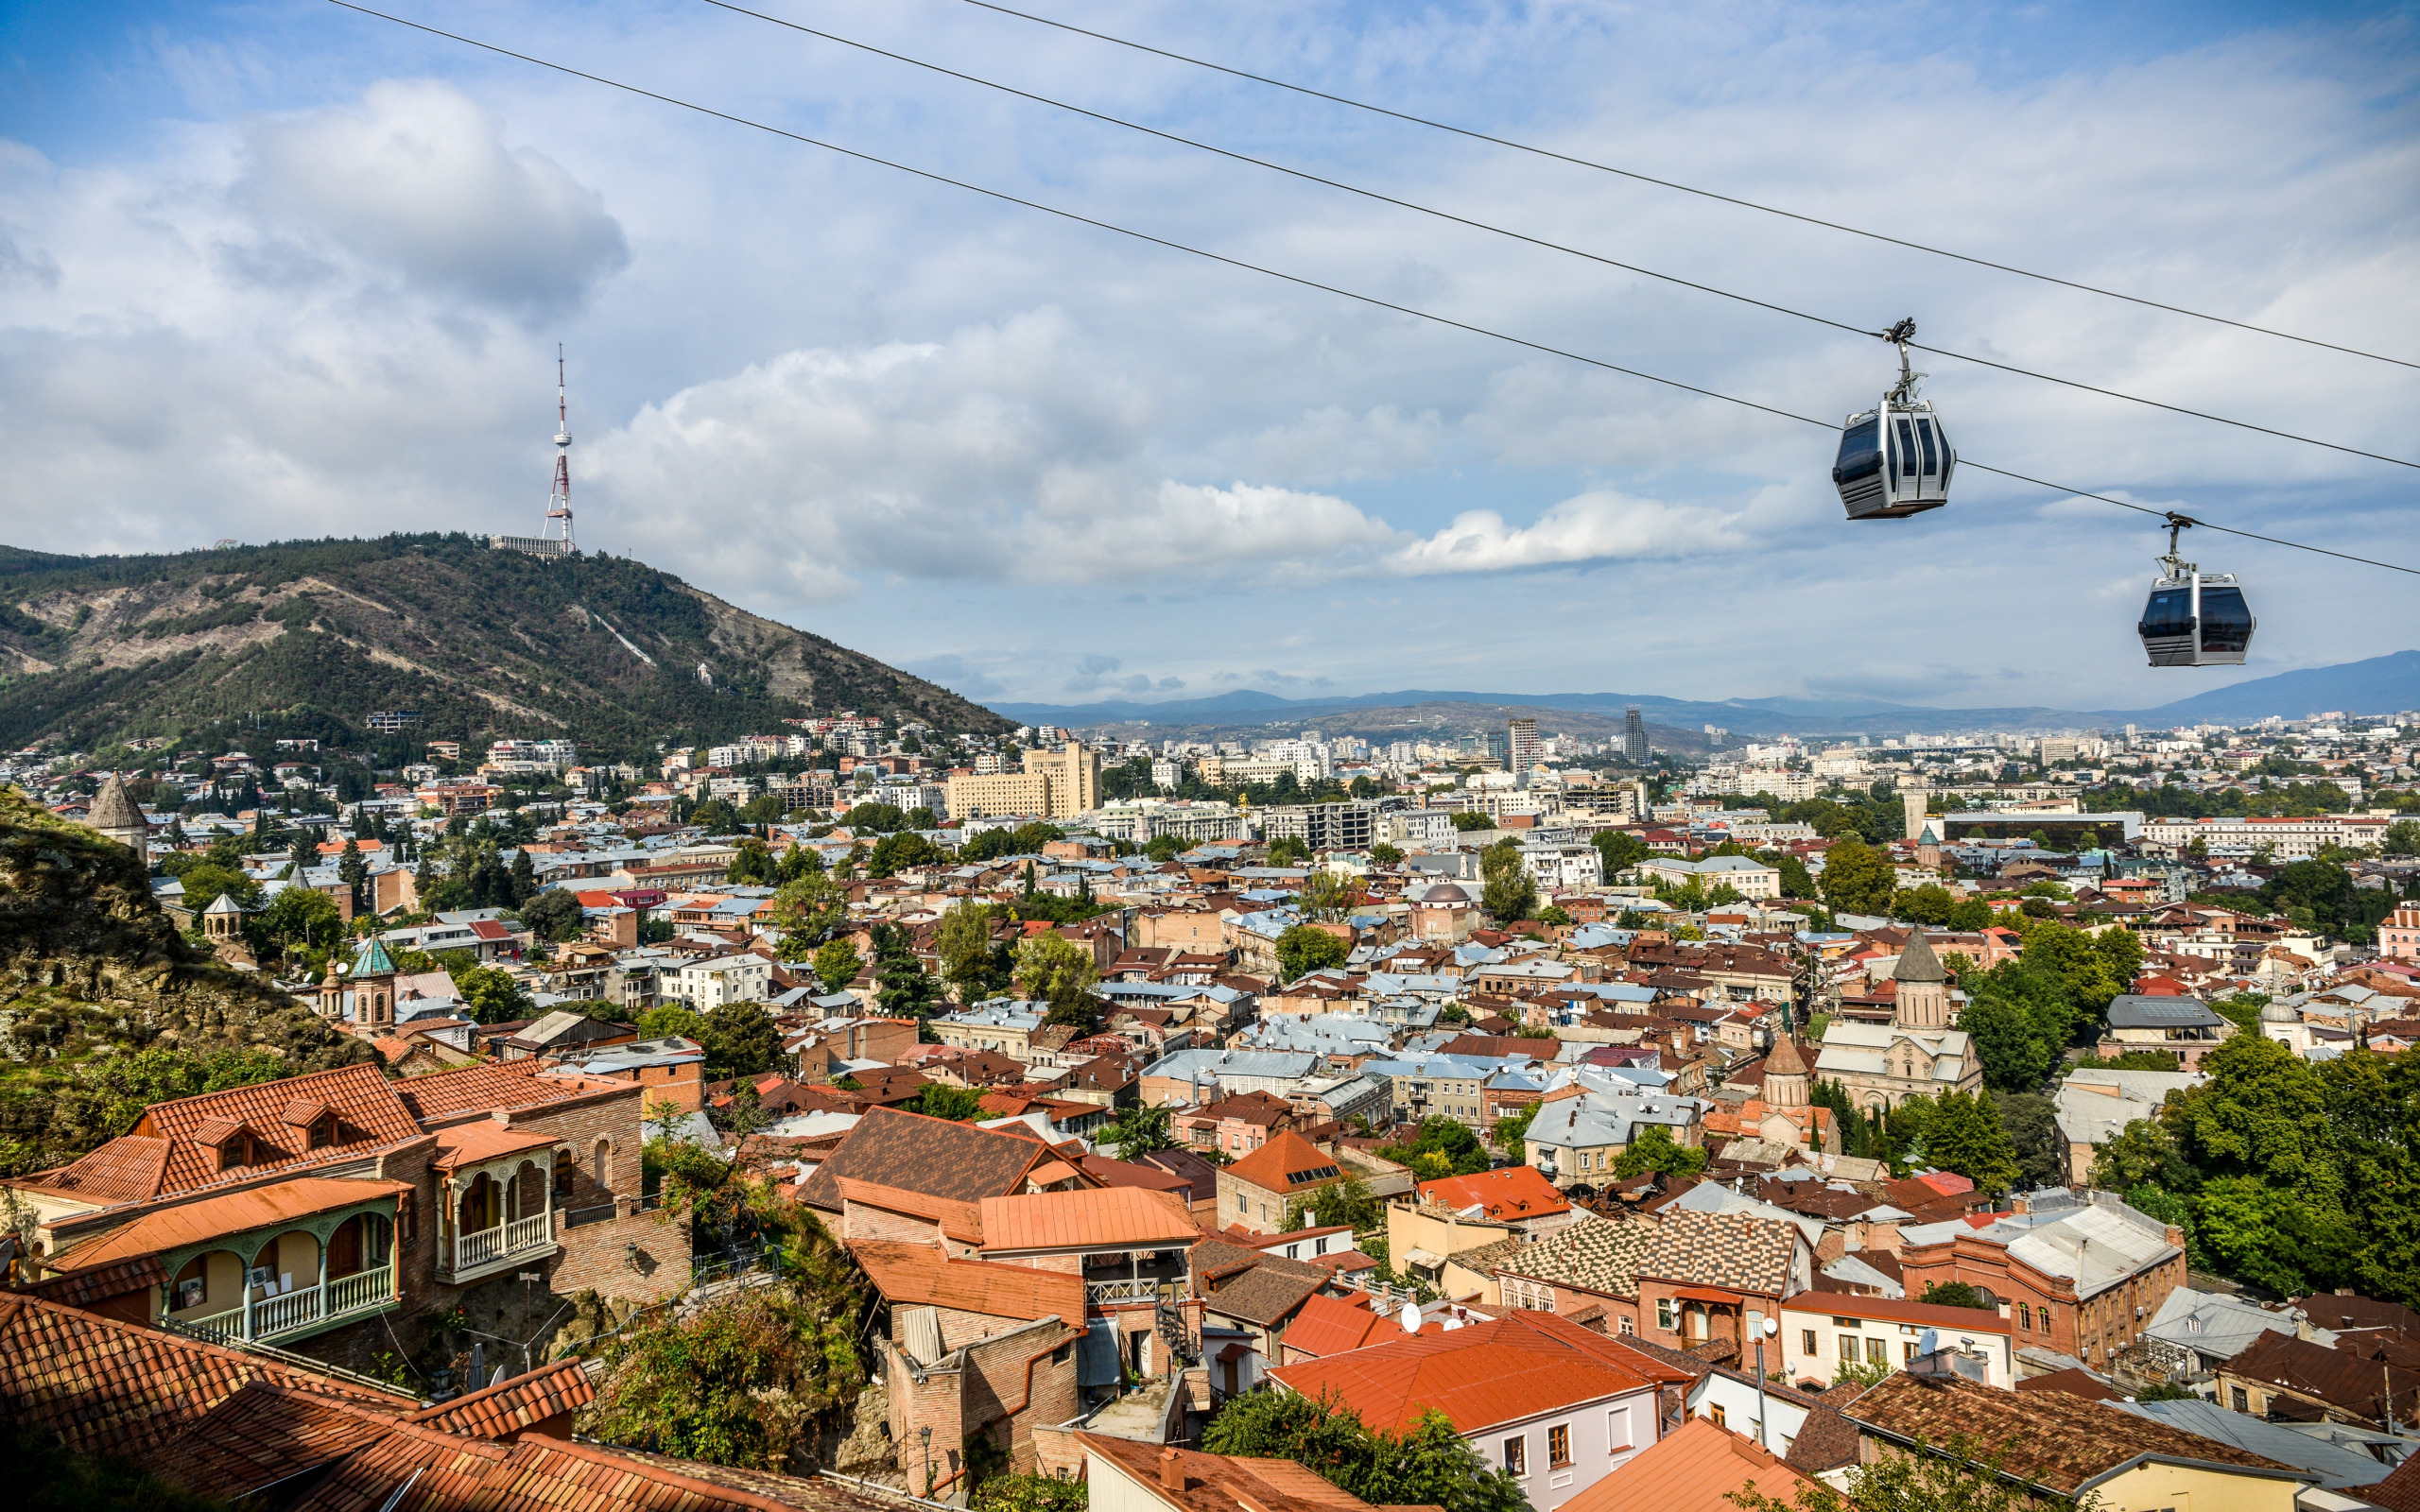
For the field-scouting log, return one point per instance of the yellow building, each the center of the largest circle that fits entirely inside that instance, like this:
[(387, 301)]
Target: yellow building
[(1054, 785)]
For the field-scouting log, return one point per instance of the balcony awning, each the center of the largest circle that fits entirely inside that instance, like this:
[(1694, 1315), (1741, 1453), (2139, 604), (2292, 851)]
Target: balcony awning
[(1706, 1294), (1422, 1258), (469, 1143), (218, 1217)]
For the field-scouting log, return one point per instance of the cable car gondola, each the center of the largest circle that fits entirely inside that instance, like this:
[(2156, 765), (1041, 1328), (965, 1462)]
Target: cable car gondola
[(1895, 458), (2192, 620)]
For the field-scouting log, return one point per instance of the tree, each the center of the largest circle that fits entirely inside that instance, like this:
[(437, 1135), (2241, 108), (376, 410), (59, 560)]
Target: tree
[(1286, 850), (2144, 1153), (752, 865), (524, 879), (1347, 1201), (1507, 890), (895, 853), (836, 964), (903, 989), (807, 909), (2402, 839), (1858, 879), (490, 994), (1956, 1294), (1796, 881), (1964, 1135), (2015, 1055), (969, 960), (959, 1104), (740, 1040), (1329, 895), (298, 920), (1426, 1465), (1619, 849), (1304, 948), (1137, 1131), (667, 1020), (1452, 1143), (2032, 1124), (1654, 1149), (553, 915), (1052, 969), (735, 1382), (1511, 1133), (1385, 854), (1166, 848)]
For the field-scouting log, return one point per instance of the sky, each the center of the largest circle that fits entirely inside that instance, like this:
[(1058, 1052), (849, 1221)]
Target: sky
[(283, 270)]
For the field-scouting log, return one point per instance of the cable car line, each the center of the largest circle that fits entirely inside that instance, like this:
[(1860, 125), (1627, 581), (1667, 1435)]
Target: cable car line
[(1537, 241), (1687, 189), (1269, 273)]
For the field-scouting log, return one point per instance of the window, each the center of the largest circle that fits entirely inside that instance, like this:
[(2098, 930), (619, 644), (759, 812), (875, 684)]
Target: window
[(1848, 1348), (1722, 1419), (2025, 1317), (2238, 1399), (1558, 1445), (1807, 1341), (1664, 1316), (1878, 1353), (1909, 1349), (1517, 1454), (1628, 1326)]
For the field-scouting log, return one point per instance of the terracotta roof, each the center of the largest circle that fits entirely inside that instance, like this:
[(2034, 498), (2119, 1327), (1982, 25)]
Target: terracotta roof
[(929, 1154), (214, 1217), (1135, 1218), (264, 1433), (1332, 1325), (1288, 1163), (486, 1088), (1729, 1249), (1695, 1469), (960, 1220), (469, 1143), (1269, 1290), (177, 1155), (1110, 1173), (1223, 1483), (1512, 1193), (919, 1275), (106, 1388), (511, 1406), (2047, 1438), (100, 1283), (2399, 1492), (1519, 1365), (2338, 1377), (2075, 1381)]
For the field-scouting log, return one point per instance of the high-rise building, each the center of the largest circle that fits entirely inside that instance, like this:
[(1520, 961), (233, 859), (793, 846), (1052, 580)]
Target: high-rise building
[(1521, 745), (1635, 748)]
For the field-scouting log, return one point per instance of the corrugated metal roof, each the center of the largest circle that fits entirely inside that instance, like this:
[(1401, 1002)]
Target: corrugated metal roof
[(1135, 1217), (216, 1217)]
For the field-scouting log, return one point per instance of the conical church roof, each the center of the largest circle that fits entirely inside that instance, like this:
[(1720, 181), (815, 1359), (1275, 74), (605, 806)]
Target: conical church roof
[(1917, 963), (374, 960), (113, 809), (1786, 1060)]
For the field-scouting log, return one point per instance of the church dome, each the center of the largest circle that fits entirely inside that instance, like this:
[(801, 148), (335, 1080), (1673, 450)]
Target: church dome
[(1444, 892), (2278, 1013)]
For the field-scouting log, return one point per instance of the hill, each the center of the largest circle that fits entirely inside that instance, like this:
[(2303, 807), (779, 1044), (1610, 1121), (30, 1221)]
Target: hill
[(2379, 685), (88, 966), (309, 637)]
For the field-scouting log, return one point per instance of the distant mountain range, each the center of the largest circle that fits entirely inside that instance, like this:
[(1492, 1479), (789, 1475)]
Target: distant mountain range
[(307, 638), (2385, 684)]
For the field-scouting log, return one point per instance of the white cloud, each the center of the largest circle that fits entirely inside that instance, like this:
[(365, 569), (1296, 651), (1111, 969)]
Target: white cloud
[(1599, 525), (417, 178)]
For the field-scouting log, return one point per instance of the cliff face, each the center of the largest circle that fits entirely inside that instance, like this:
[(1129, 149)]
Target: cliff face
[(89, 962)]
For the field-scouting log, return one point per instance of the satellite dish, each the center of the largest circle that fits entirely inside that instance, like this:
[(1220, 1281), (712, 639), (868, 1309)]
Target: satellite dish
[(1412, 1317), (342, 967)]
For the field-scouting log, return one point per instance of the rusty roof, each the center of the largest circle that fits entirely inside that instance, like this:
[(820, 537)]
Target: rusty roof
[(1517, 1366), (919, 1275), (191, 1223), (1129, 1218), (100, 1283), (1223, 1483), (501, 1085), (1513, 1193), (469, 1143)]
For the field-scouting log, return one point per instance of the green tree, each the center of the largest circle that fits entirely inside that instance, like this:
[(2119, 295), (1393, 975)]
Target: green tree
[(969, 960), (895, 853), (1166, 848), (205, 884), (1964, 1135), (667, 1020), (903, 988), (2032, 1124), (1511, 1132), (736, 1382), (1654, 1149), (959, 1104), (1796, 881), (807, 909), (1427, 1465), (1619, 849), (1137, 1131), (1286, 850), (752, 865), (740, 1040), (1956, 1294), (1034, 1492), (1304, 948), (1052, 969), (490, 994), (1858, 879), (1465, 821), (1385, 854), (553, 915), (296, 920), (1507, 890), (1448, 1139), (836, 964), (2144, 1153)]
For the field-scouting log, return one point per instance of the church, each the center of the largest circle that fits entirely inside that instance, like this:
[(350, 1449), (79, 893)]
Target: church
[(1882, 1065)]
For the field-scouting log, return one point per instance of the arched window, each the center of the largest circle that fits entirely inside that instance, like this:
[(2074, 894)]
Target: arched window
[(603, 1161)]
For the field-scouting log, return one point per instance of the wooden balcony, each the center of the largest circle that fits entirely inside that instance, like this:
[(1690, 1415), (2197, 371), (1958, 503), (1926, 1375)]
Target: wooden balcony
[(484, 1251), (302, 1310)]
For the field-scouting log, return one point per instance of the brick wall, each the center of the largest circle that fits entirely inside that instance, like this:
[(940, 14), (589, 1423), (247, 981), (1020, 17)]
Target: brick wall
[(860, 1220), (599, 1257)]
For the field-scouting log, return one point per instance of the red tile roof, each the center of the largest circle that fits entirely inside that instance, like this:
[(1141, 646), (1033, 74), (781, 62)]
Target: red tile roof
[(1220, 1483), (1695, 1469), (1513, 1193), (514, 1406), (483, 1089), (1332, 1325), (1286, 1164), (1135, 1217), (1517, 1366), (921, 1275)]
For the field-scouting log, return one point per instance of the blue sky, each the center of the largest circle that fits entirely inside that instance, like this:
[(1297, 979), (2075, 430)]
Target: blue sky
[(280, 269)]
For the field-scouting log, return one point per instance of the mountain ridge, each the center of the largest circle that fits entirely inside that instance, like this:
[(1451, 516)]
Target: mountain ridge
[(2383, 684), (307, 638)]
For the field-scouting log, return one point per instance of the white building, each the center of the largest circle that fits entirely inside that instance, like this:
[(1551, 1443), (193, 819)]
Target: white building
[(726, 979)]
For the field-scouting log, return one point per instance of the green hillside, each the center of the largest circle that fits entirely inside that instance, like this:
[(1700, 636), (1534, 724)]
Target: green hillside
[(310, 637)]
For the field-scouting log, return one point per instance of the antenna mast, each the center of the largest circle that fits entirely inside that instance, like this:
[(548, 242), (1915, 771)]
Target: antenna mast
[(559, 504)]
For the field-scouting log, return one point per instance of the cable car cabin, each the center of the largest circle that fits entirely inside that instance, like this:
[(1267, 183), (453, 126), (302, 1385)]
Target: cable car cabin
[(1894, 461), (2193, 621)]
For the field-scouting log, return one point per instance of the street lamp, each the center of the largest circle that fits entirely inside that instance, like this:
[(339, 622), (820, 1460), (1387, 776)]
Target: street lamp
[(1766, 1328), (926, 1433)]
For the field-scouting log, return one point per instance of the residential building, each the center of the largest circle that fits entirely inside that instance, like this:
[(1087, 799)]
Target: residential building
[(1554, 1404), (1517, 1197), (1821, 1331), (1680, 1279), (1577, 1136), (1001, 1025), (2279, 1376), (2184, 1027), (711, 983), (2081, 1274), (2096, 1105), (1254, 1191)]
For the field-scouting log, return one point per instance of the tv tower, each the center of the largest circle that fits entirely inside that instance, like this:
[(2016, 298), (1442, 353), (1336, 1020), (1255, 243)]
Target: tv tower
[(559, 505)]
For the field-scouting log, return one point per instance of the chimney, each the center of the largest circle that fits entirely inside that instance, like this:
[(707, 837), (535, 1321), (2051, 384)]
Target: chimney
[(1171, 1470)]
